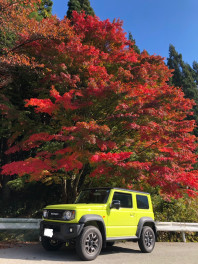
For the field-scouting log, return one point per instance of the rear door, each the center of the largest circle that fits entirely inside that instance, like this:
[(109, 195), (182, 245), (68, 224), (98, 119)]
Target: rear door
[(144, 206)]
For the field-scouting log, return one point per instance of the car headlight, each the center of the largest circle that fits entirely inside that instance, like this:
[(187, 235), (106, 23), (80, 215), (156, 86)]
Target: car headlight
[(68, 215), (45, 213)]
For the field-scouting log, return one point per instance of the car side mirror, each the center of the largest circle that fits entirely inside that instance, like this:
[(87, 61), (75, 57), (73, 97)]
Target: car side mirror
[(115, 204)]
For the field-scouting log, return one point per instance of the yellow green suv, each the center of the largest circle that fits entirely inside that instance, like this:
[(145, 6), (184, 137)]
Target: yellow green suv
[(98, 218)]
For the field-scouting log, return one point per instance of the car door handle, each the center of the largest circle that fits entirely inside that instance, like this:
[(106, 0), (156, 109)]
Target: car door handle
[(132, 214)]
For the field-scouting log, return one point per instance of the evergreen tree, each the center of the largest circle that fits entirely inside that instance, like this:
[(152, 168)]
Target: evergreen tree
[(134, 43), (85, 5), (73, 5), (79, 5), (185, 77), (195, 71)]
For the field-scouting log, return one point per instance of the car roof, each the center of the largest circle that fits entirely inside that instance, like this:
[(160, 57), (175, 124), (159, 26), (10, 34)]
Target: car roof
[(115, 188)]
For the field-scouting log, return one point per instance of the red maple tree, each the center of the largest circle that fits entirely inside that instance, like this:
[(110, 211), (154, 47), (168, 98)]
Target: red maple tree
[(109, 112)]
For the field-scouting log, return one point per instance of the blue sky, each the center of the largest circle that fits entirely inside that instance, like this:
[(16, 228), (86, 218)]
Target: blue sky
[(154, 24)]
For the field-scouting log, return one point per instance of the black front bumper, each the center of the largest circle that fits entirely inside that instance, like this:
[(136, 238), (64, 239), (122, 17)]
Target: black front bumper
[(61, 231)]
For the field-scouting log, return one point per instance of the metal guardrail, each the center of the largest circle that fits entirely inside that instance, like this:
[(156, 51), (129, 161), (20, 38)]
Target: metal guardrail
[(19, 223), (177, 227), (29, 223)]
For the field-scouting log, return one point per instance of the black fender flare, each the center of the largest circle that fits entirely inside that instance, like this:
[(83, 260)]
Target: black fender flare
[(145, 221), (94, 217)]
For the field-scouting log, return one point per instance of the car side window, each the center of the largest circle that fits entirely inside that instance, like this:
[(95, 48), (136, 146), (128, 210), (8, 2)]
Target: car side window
[(124, 198), (142, 202)]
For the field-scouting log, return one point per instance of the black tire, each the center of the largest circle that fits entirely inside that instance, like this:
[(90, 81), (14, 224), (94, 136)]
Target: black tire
[(50, 244), (147, 240), (89, 243)]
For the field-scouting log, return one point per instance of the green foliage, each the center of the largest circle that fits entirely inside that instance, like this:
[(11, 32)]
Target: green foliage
[(185, 77), (17, 184), (6, 40), (85, 5), (79, 5), (135, 47), (44, 10), (195, 71), (73, 5), (181, 210)]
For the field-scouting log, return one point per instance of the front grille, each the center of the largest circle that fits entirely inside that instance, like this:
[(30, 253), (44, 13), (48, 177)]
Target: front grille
[(55, 214)]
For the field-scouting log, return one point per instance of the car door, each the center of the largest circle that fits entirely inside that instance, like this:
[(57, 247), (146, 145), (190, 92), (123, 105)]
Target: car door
[(121, 222)]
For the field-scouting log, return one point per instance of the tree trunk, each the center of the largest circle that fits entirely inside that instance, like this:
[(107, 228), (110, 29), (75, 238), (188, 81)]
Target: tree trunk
[(71, 187)]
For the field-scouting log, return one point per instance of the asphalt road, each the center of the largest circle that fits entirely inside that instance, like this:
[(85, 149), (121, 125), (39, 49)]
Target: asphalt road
[(164, 253)]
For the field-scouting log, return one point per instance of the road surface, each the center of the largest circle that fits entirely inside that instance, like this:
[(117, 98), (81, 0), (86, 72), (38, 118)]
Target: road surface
[(121, 253)]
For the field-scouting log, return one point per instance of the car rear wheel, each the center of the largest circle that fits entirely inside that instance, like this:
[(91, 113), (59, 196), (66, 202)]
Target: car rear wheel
[(89, 243), (147, 240)]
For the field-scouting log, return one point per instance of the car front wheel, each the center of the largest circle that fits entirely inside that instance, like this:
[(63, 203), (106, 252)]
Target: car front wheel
[(89, 243), (147, 240)]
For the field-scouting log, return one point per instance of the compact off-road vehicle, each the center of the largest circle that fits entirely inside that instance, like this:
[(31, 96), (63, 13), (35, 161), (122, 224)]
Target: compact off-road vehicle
[(97, 219)]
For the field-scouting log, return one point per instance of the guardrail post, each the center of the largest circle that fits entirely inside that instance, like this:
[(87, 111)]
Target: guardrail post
[(184, 237)]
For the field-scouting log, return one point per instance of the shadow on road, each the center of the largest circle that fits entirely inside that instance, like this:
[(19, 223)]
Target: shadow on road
[(119, 249), (37, 253)]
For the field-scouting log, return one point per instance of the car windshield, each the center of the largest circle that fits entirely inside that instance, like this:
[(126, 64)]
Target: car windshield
[(93, 196)]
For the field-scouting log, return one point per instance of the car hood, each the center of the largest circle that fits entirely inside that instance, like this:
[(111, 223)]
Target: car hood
[(76, 206)]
